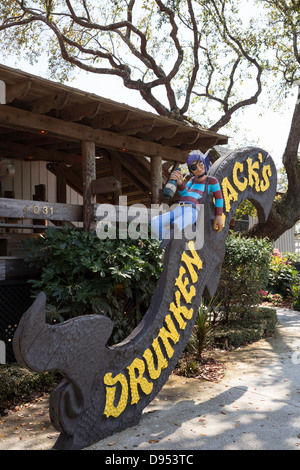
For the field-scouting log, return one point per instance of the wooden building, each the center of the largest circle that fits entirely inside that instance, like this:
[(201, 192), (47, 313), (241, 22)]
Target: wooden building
[(62, 152), (70, 150), (73, 149)]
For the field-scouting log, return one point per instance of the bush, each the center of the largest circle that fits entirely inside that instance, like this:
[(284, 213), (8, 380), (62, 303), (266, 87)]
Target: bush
[(81, 274), (17, 383), (245, 273), (283, 276), (275, 299), (296, 298), (259, 322)]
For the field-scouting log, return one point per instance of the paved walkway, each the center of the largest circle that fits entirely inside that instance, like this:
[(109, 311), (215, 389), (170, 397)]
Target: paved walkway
[(256, 406)]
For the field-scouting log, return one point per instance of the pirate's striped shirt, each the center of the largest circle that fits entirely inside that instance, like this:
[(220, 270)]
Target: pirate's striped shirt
[(193, 192)]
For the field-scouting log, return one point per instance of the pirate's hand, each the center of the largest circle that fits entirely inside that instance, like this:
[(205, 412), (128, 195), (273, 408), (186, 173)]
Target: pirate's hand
[(218, 224), (177, 175)]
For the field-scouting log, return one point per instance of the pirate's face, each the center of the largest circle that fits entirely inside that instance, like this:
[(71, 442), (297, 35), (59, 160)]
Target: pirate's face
[(197, 168)]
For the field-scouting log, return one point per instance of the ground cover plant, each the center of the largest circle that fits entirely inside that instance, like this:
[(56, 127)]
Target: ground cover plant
[(18, 384), (82, 274)]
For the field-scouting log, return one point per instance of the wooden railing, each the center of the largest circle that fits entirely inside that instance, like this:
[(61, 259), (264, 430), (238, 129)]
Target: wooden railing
[(20, 210), (26, 214)]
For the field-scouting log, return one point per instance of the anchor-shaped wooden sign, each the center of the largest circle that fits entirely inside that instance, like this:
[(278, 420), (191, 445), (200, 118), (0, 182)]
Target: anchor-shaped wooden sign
[(105, 389)]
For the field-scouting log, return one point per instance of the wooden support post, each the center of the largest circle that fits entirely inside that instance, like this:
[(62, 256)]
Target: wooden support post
[(88, 175), (39, 195), (117, 173), (156, 179)]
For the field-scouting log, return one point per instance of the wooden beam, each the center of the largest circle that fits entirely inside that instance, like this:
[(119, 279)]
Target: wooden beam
[(25, 209), (137, 169), (46, 103), (72, 179), (20, 119), (156, 179), (37, 228), (134, 127), (78, 112), (137, 183), (19, 90), (108, 120), (166, 132), (126, 171), (38, 153), (116, 170), (107, 184), (205, 143), (13, 267), (181, 138), (89, 175)]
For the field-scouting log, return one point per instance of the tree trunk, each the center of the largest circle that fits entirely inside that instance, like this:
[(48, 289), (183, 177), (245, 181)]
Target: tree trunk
[(284, 214), (285, 211)]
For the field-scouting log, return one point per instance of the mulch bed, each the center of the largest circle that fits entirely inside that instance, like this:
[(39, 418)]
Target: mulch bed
[(206, 368)]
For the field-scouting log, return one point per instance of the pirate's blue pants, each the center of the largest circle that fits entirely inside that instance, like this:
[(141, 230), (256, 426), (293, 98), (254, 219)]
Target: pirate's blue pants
[(181, 217)]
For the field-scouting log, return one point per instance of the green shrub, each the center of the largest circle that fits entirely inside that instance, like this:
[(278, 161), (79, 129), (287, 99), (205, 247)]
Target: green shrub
[(17, 383), (81, 274), (258, 323), (283, 275), (291, 257), (275, 299), (244, 274), (296, 297)]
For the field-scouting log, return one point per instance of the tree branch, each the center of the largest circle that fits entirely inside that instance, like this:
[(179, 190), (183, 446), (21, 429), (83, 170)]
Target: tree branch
[(196, 45), (236, 44)]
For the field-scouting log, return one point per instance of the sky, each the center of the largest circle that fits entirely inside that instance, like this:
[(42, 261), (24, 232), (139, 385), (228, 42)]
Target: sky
[(257, 125)]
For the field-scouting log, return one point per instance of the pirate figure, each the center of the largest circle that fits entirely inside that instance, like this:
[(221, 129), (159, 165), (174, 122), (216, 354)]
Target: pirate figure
[(192, 194)]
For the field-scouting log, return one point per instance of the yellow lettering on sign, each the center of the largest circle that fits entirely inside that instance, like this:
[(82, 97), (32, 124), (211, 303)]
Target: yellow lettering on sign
[(110, 408), (252, 175), (192, 261), (241, 185), (161, 362), (139, 379), (166, 335), (182, 285), (229, 193), (178, 310), (142, 371), (256, 170), (266, 173)]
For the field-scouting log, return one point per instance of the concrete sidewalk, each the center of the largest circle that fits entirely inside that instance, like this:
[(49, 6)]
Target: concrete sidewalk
[(256, 406)]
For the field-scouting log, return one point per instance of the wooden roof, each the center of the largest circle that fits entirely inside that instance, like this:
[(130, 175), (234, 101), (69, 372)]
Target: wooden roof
[(44, 120)]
